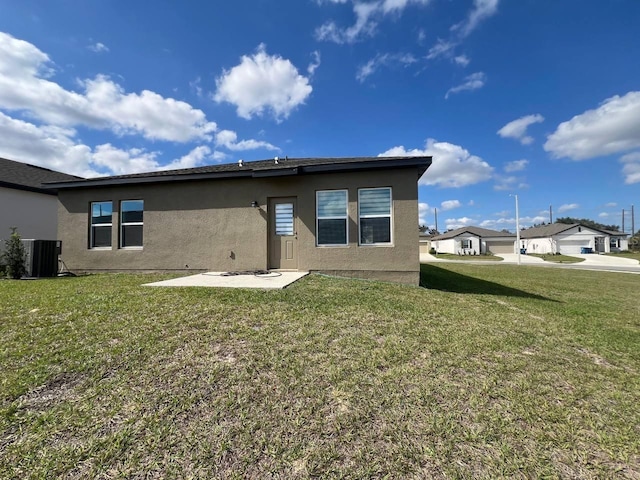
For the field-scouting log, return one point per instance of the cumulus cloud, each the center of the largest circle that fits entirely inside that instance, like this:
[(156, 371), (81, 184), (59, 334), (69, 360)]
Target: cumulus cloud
[(367, 16), (631, 167), (516, 166), (229, 139), (453, 223), (461, 60), (25, 86), (472, 82), (450, 205), (508, 183), (609, 129), (263, 83), (98, 47), (567, 207), (453, 166), (517, 129), (387, 60), (423, 210)]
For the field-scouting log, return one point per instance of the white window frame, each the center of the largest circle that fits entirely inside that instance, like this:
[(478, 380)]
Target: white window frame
[(130, 224), (345, 218), (462, 241), (92, 225), (390, 216), (614, 242)]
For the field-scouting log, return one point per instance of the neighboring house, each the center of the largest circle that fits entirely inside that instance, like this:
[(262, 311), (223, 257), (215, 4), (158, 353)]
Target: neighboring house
[(425, 242), (345, 216), (26, 203), (571, 239), (474, 241)]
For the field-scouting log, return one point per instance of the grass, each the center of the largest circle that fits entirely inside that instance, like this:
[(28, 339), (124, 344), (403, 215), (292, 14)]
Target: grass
[(488, 371), (451, 256), (635, 255), (549, 257)]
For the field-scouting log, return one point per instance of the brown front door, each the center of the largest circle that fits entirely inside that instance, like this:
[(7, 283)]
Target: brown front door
[(283, 236)]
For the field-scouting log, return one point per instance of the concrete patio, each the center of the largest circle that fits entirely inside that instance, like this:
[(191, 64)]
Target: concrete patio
[(269, 280)]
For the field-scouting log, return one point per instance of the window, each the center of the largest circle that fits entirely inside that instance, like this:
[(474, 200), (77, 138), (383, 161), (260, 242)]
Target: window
[(331, 217), (284, 219), (131, 217), (614, 242), (374, 212), (466, 244), (100, 234)]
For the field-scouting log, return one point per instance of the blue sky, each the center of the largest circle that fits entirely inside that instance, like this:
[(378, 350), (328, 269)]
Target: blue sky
[(529, 97)]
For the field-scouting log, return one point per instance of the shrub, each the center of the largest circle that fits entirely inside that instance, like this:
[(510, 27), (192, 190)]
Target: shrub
[(14, 256), (432, 251)]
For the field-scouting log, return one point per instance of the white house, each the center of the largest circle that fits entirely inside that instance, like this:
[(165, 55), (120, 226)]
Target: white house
[(474, 241), (571, 239), (26, 203)]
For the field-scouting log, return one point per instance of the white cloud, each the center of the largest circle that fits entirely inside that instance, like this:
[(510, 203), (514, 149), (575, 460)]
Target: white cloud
[(25, 86), (631, 168), (472, 82), (384, 60), (517, 129), (367, 17), (482, 9), (516, 166), (122, 162), (611, 128), (461, 60), (603, 215), (194, 158), (47, 146), (229, 140), (453, 223), (98, 47), (453, 166), (423, 210), (567, 207), (450, 205), (263, 82), (315, 63), (611, 204)]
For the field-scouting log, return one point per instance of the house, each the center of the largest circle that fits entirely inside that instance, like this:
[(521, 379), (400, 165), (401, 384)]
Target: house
[(425, 242), (345, 216), (474, 241), (26, 203), (571, 239)]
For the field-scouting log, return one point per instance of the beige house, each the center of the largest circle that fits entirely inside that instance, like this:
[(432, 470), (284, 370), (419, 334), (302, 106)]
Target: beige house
[(26, 203), (474, 241), (345, 216), (572, 239)]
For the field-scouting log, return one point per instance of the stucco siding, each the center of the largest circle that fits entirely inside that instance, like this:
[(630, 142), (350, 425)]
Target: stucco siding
[(211, 225), (35, 214)]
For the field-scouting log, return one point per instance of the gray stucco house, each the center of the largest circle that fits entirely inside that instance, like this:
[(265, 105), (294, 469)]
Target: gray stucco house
[(26, 203), (346, 216)]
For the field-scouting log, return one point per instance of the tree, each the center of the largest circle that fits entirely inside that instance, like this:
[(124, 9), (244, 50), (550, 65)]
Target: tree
[(422, 228), (587, 223), (15, 255)]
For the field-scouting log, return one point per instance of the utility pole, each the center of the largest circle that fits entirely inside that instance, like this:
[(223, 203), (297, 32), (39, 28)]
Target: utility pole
[(517, 227), (435, 214), (623, 220), (633, 222), (550, 214)]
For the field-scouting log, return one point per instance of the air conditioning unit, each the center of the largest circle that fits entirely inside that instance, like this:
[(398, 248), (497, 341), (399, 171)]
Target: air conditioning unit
[(42, 257)]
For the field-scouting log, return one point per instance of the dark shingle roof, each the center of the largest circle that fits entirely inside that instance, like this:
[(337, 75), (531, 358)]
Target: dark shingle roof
[(23, 176), (260, 168), (477, 231), (556, 228)]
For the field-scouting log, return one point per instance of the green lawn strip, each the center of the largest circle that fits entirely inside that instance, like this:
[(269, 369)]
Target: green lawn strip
[(557, 258), (451, 256), (489, 371), (627, 254)]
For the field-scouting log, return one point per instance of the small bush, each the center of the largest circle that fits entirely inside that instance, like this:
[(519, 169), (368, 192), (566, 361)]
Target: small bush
[(14, 256), (432, 251)]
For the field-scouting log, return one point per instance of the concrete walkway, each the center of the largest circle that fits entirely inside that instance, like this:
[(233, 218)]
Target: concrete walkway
[(272, 280)]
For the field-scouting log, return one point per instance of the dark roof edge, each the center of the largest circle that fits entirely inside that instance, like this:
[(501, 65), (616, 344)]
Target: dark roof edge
[(407, 162), (27, 188)]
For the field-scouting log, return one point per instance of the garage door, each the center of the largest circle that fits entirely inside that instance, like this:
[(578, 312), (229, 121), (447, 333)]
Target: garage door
[(425, 247), (569, 247), (500, 247)]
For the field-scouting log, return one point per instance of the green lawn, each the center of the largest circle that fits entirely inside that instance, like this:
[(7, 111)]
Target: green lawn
[(451, 256), (548, 257), (488, 371), (628, 254)]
